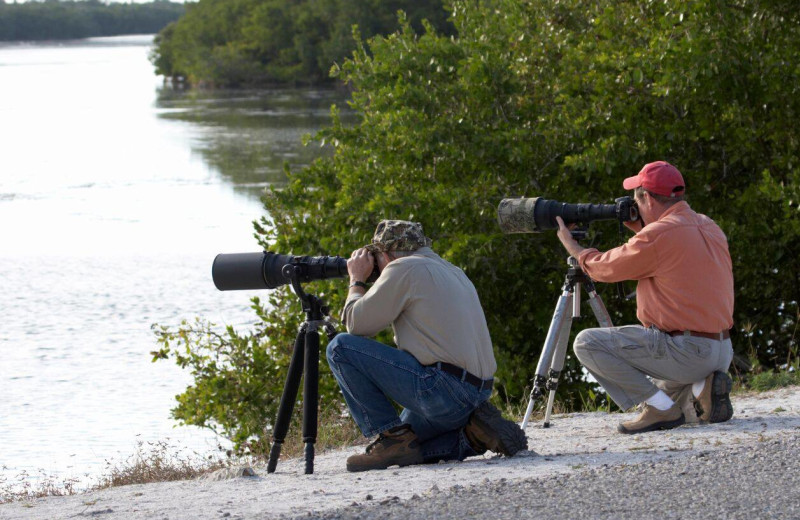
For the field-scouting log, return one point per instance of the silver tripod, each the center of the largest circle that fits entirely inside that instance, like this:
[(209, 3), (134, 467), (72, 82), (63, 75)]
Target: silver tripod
[(555, 345)]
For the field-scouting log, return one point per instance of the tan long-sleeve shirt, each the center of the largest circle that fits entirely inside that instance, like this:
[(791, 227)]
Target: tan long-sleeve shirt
[(433, 309), (683, 267)]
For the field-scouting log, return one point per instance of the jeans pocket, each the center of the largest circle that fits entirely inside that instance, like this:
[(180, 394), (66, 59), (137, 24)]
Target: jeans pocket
[(438, 399), (460, 391)]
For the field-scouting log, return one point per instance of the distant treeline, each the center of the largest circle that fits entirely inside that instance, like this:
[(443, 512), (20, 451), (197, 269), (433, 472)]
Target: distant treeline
[(62, 20), (261, 42)]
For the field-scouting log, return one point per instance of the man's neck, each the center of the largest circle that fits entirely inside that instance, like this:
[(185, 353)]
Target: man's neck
[(661, 210)]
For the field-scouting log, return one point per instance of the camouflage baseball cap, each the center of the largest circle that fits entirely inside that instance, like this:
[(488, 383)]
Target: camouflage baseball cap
[(398, 235)]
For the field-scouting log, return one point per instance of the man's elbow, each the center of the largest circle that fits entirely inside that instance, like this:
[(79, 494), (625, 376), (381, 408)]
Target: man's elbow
[(354, 328)]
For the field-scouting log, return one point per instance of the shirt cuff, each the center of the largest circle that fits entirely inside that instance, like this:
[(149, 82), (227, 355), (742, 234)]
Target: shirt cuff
[(351, 298), (584, 255)]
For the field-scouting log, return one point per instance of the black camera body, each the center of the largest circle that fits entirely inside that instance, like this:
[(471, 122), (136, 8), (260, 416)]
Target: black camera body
[(534, 215)]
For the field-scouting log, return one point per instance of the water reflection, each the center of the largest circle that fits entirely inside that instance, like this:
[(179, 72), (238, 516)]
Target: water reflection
[(248, 136)]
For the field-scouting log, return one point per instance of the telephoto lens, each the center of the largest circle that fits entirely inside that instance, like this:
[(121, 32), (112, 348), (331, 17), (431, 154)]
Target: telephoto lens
[(242, 271), (534, 215)]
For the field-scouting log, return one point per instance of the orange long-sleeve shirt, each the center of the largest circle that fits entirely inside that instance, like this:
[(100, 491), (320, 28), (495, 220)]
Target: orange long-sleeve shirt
[(683, 267)]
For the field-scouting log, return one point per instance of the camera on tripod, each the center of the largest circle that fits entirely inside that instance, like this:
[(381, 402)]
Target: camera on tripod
[(534, 215), (267, 270)]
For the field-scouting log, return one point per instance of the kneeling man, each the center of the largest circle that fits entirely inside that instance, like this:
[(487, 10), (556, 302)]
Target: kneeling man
[(685, 304), (441, 372)]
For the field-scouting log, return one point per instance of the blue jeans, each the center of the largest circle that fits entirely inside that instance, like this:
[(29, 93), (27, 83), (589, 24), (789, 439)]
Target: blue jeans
[(436, 405)]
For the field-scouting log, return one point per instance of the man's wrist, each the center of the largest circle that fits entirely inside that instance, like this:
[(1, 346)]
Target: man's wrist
[(358, 283), (575, 249)]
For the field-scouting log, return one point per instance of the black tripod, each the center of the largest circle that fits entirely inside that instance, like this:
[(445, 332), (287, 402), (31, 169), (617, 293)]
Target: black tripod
[(555, 345), (305, 358)]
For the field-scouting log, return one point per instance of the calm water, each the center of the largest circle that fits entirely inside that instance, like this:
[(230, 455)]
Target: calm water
[(115, 195)]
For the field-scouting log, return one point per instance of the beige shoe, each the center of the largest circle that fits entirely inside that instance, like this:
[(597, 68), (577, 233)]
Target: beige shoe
[(399, 448), (653, 419), (684, 398), (713, 405)]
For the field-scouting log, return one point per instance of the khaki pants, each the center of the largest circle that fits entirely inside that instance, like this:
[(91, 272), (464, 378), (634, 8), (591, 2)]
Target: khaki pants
[(633, 362)]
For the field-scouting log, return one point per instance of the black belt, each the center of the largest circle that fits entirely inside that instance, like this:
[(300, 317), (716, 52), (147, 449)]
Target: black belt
[(462, 374)]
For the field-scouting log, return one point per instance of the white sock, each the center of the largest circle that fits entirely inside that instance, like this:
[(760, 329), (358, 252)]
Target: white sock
[(697, 388), (660, 401)]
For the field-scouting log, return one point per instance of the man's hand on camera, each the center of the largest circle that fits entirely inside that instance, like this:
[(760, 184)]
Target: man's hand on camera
[(360, 265), (634, 225), (565, 236)]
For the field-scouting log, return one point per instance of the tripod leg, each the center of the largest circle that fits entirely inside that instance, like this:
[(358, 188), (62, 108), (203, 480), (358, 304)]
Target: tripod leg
[(287, 400), (560, 355), (311, 397), (546, 357), (599, 309), (558, 358)]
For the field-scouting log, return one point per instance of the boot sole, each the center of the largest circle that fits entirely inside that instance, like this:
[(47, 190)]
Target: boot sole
[(663, 425), (510, 436), (355, 468), (721, 407)]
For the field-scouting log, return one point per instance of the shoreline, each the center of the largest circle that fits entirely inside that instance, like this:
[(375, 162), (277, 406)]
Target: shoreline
[(575, 443)]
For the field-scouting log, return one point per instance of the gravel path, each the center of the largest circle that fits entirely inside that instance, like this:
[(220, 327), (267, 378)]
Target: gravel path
[(754, 482), (746, 467)]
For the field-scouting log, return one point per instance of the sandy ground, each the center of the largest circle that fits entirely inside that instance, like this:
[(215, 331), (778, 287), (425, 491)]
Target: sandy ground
[(574, 442)]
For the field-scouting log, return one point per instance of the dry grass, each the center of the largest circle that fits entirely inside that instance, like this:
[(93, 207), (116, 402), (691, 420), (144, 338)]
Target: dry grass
[(157, 462), (152, 462), (28, 487)]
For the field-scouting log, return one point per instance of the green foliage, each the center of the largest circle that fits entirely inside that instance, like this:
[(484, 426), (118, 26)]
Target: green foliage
[(256, 42), (66, 19), (561, 98), (771, 380), (237, 379)]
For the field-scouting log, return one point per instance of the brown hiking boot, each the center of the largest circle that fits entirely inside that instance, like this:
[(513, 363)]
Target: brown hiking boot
[(713, 405), (391, 448), (488, 430), (652, 418)]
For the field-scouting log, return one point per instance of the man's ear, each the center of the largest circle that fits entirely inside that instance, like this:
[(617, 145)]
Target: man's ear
[(646, 198)]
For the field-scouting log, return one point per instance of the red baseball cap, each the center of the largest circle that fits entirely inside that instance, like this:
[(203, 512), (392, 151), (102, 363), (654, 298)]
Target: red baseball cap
[(658, 177)]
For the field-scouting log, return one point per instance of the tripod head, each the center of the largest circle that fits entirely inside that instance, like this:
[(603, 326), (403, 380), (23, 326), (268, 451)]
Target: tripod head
[(314, 307), (576, 273)]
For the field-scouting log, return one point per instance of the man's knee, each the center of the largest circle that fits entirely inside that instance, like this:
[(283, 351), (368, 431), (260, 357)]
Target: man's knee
[(584, 343), (332, 352)]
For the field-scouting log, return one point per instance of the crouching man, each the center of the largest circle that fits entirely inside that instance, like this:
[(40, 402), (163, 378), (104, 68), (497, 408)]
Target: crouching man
[(441, 372), (685, 304)]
